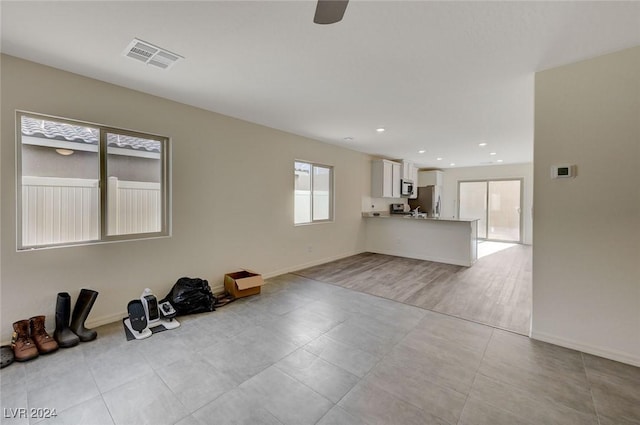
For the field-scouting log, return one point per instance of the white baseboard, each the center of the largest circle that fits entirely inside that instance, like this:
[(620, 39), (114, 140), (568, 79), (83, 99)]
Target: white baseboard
[(309, 264), (618, 356), (219, 288), (105, 320), (435, 259)]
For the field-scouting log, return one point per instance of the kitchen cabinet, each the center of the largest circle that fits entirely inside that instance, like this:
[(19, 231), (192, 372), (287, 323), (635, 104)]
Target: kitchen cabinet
[(430, 178), (396, 184), (407, 168), (385, 178)]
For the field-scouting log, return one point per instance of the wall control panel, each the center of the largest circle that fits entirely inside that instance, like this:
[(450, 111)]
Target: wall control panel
[(562, 171)]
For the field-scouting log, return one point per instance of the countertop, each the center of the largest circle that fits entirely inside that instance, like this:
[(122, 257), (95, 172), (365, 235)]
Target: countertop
[(386, 214)]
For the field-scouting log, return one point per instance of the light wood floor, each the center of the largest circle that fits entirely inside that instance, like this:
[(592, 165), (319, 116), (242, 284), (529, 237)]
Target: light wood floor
[(495, 291)]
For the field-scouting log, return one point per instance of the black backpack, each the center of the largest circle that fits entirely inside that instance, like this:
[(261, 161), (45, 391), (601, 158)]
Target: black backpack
[(190, 296)]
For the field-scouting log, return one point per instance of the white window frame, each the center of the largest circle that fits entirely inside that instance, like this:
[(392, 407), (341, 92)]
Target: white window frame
[(102, 149), (331, 193)]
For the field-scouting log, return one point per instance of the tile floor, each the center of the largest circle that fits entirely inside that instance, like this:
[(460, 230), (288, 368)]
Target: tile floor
[(306, 352)]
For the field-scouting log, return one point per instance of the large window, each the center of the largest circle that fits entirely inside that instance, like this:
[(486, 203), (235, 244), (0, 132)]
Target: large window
[(85, 183), (313, 192)]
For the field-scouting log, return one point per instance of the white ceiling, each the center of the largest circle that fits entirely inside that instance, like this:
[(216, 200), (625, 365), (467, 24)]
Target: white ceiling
[(439, 76)]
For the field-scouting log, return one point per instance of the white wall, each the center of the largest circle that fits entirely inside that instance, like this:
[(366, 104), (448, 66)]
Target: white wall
[(232, 200), (452, 176), (586, 256)]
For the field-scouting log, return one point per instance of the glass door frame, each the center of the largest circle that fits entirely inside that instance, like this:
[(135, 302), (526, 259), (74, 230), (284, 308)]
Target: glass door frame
[(521, 180)]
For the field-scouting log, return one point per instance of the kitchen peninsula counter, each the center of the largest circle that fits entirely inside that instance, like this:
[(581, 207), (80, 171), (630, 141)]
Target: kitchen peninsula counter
[(444, 240)]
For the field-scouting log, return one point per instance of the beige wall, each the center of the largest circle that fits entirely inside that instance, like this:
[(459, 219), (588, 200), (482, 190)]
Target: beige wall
[(232, 199), (452, 176), (586, 256)]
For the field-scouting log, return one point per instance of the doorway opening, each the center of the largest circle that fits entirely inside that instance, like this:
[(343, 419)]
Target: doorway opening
[(497, 204)]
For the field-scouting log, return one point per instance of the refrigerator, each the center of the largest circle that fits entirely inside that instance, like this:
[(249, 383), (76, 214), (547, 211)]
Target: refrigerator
[(428, 200)]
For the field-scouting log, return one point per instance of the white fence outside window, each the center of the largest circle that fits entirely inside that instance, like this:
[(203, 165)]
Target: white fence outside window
[(60, 210)]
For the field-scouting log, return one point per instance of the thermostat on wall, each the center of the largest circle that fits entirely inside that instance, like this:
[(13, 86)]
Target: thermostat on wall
[(561, 171)]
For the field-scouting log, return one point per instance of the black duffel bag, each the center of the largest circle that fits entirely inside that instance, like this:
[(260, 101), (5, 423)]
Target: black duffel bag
[(190, 296)]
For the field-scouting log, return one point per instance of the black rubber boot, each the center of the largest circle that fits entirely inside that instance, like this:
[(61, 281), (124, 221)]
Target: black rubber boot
[(65, 337), (83, 306)]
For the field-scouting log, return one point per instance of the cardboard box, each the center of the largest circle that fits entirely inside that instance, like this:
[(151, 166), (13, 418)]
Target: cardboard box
[(243, 283)]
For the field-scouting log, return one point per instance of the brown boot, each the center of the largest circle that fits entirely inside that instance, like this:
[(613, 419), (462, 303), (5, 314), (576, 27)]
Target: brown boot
[(23, 346), (43, 341)]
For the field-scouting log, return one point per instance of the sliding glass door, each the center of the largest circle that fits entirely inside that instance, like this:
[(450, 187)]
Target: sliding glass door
[(498, 206), (473, 204)]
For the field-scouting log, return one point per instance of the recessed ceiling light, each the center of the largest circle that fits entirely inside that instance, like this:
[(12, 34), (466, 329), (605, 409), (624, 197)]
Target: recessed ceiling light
[(421, 151), (452, 164), (493, 153), (380, 130), (438, 159), (500, 160), (483, 144)]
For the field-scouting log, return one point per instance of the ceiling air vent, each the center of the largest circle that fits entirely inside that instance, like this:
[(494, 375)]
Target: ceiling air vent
[(150, 54)]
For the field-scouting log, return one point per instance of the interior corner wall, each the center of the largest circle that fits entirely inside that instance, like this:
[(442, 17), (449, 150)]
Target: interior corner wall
[(452, 176), (586, 256), (232, 200)]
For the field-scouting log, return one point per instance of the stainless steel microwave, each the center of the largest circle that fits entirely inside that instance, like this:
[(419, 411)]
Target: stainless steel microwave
[(406, 187)]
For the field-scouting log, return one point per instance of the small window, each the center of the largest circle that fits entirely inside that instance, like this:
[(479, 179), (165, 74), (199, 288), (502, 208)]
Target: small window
[(313, 193), (85, 183)]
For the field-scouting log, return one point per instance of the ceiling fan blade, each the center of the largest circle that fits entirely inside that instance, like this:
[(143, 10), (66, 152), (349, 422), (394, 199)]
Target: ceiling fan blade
[(330, 11)]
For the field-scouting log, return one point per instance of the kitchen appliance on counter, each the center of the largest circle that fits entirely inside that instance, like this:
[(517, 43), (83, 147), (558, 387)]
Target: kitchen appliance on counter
[(428, 200), (397, 209)]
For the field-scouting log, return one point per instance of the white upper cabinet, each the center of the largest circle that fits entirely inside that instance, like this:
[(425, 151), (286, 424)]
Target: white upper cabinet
[(385, 178), (430, 178), (396, 180), (407, 169)]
